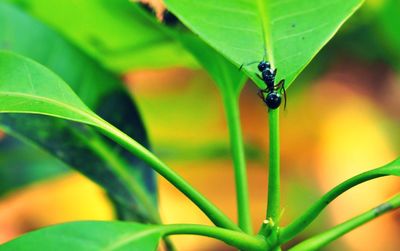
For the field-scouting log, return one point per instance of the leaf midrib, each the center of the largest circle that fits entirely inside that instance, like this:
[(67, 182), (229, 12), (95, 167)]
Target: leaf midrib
[(266, 31), (91, 116), (131, 238)]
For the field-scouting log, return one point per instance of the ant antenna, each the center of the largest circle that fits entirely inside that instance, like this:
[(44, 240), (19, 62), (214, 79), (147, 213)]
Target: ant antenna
[(284, 96), (265, 50), (263, 39), (254, 62)]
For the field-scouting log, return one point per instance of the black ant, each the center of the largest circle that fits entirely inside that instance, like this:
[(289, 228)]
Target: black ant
[(273, 98), (168, 18)]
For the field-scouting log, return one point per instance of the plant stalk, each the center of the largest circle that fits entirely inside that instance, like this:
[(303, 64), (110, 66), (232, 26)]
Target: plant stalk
[(233, 238), (321, 240), (273, 209), (239, 163), (298, 225), (214, 214), (120, 167)]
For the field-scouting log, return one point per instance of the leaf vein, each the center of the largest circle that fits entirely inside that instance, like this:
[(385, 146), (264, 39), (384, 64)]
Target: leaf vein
[(225, 26), (307, 11), (28, 73)]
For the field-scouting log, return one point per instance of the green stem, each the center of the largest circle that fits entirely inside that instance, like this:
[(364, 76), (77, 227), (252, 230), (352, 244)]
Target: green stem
[(237, 239), (321, 240), (273, 210), (298, 225), (215, 215), (120, 167), (235, 134)]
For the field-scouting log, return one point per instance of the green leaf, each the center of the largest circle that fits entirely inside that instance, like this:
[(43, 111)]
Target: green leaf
[(20, 32), (100, 90), (88, 236), (117, 33), (17, 172), (20, 79), (88, 152), (298, 225), (26, 87), (388, 28), (228, 78), (290, 33), (129, 121)]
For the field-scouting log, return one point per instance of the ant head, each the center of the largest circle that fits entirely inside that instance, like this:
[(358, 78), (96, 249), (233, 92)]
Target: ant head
[(263, 65)]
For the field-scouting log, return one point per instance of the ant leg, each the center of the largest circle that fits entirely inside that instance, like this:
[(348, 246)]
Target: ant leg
[(259, 76), (275, 71), (260, 94), (282, 84), (278, 86), (266, 90)]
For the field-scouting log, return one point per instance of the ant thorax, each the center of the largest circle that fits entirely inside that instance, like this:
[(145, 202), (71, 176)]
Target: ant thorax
[(267, 74), (269, 77)]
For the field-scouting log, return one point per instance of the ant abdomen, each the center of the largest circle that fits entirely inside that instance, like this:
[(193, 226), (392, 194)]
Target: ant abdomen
[(273, 100)]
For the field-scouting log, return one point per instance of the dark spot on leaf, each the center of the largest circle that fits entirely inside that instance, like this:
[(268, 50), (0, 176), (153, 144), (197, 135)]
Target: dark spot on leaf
[(302, 38), (293, 25)]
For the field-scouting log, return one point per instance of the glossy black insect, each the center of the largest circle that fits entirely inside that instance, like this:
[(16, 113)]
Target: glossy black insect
[(272, 94)]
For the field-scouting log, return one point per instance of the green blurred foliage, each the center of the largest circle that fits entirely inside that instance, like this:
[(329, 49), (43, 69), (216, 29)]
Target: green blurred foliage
[(99, 89), (118, 33), (22, 165)]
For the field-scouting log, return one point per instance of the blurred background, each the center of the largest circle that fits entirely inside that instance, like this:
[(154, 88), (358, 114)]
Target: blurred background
[(342, 118)]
